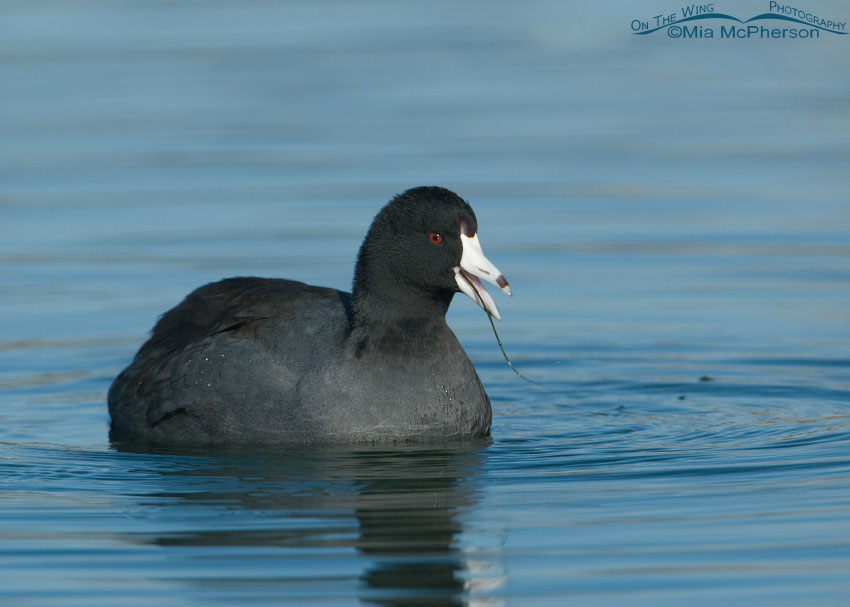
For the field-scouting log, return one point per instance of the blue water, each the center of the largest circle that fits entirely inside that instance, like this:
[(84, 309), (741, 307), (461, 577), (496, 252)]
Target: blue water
[(673, 218)]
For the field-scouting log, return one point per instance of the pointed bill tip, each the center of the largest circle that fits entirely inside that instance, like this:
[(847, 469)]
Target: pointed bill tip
[(503, 285)]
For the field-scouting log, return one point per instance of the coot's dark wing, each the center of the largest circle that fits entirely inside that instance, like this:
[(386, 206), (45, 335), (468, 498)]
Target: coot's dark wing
[(224, 355)]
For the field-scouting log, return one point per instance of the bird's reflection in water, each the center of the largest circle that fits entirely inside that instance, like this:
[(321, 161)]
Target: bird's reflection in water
[(408, 525), (400, 509)]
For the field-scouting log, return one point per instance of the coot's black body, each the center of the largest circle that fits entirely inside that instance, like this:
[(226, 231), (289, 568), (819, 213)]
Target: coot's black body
[(253, 360)]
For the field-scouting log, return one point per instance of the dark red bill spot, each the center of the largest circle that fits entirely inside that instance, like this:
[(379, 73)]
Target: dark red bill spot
[(466, 226), (501, 282), (435, 238)]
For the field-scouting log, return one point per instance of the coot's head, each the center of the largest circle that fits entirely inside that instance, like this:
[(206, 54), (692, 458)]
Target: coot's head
[(423, 247)]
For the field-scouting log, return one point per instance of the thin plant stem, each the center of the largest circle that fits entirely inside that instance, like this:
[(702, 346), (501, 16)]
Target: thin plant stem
[(498, 339)]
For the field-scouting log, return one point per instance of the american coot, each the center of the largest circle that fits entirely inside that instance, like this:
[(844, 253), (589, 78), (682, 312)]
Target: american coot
[(255, 360)]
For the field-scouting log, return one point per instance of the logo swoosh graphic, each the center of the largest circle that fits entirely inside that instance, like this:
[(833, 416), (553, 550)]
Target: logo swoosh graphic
[(693, 18)]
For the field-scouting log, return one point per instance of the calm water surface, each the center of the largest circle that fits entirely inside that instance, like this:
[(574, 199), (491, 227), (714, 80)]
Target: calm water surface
[(674, 221)]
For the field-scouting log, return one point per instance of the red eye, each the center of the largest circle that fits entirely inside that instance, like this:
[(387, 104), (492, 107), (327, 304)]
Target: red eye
[(435, 238)]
